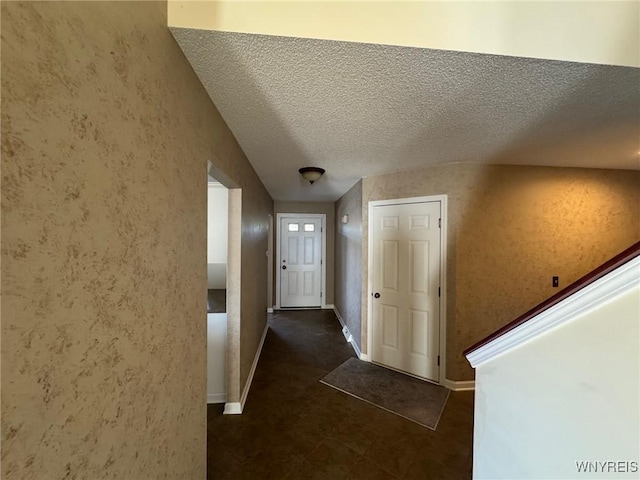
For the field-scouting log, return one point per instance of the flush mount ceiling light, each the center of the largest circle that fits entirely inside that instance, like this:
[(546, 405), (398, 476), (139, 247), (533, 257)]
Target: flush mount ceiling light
[(311, 174)]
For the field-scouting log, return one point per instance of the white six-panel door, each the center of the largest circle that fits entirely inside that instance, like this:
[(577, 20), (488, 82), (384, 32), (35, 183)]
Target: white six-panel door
[(406, 281), (300, 262)]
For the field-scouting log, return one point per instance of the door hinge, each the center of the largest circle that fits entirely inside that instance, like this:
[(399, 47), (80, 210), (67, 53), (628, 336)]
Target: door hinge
[(438, 360), (320, 261), (438, 291), (439, 223)]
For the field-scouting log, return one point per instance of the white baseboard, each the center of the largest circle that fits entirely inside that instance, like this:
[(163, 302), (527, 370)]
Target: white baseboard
[(235, 408), (348, 335), (339, 317), (356, 349), (328, 306), (269, 310), (216, 397), (459, 386), (364, 357), (247, 386)]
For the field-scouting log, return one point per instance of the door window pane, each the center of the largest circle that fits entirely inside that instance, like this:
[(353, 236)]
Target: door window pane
[(309, 227), (293, 227)]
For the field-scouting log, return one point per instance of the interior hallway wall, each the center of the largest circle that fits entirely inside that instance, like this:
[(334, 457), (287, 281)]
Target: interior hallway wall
[(510, 229), (348, 266), (106, 133), (310, 207)]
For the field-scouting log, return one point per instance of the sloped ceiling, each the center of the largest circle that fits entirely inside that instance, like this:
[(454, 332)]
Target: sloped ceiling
[(358, 109)]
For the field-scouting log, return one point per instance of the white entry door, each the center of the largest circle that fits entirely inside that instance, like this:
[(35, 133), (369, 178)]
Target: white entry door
[(406, 281), (300, 262)]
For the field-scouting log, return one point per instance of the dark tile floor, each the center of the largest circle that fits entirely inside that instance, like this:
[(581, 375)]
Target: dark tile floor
[(294, 427)]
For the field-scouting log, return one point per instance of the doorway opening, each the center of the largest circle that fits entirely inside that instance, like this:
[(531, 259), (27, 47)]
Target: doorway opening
[(217, 238), (217, 231), (224, 231)]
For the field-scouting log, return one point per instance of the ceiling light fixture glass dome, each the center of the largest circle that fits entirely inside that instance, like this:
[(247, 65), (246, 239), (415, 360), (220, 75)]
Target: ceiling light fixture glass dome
[(311, 174)]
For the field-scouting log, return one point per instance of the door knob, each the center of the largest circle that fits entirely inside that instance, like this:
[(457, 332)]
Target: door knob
[(284, 267), (376, 295)]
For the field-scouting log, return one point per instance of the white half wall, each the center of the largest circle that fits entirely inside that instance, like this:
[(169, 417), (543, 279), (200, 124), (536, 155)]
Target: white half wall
[(216, 357), (568, 396)]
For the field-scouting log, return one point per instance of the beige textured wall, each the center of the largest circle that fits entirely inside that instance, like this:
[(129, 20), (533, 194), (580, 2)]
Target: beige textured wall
[(348, 266), (311, 207), (256, 208), (106, 133), (510, 229)]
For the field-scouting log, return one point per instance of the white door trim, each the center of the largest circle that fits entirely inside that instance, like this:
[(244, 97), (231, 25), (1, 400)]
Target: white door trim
[(443, 274), (323, 237)]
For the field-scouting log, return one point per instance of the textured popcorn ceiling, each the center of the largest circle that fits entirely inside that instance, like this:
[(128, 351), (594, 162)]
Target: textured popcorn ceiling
[(360, 109)]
